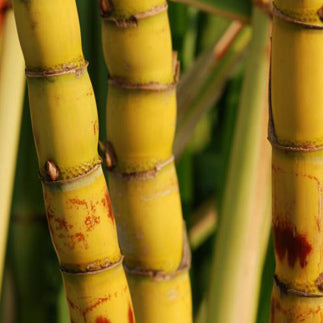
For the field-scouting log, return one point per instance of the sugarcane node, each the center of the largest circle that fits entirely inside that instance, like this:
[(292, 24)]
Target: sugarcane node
[(287, 18), (93, 268), (160, 275), (132, 21), (69, 180), (284, 289), (78, 70), (272, 138), (146, 174), (52, 170), (152, 86), (109, 154)]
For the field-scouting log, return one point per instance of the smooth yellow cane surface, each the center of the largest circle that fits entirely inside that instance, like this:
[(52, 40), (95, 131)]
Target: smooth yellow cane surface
[(141, 54), (297, 82), (149, 217), (69, 101), (169, 300), (144, 133), (43, 35)]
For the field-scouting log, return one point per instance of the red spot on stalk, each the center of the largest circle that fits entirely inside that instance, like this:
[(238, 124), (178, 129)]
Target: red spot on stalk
[(91, 222), (288, 240), (80, 236), (107, 203), (95, 127), (101, 319), (62, 224), (131, 318), (78, 202)]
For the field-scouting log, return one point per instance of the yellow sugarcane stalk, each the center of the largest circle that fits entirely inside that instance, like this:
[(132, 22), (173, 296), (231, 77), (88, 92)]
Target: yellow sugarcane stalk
[(65, 128), (297, 138), (12, 86), (141, 118)]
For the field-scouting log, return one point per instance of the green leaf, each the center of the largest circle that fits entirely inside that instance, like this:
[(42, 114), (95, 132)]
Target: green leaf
[(233, 9)]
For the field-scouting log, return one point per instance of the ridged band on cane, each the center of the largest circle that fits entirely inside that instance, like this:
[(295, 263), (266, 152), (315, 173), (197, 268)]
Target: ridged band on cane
[(71, 175), (133, 20), (285, 289), (144, 175), (159, 275), (93, 268), (77, 69), (272, 138), (152, 86), (311, 19)]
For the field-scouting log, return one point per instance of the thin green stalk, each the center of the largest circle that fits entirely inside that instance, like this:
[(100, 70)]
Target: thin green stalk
[(239, 251), (202, 87), (12, 85)]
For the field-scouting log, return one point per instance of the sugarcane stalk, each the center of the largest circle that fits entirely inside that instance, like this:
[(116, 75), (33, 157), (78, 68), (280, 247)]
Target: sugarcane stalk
[(12, 86), (243, 220), (297, 138), (141, 118), (65, 128)]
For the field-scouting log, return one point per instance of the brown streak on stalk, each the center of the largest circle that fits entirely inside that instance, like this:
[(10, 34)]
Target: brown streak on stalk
[(97, 303), (130, 314), (101, 319), (288, 241), (107, 202), (95, 127)]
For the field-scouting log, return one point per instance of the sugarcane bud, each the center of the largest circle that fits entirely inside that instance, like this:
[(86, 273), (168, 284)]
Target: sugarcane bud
[(106, 7), (319, 282), (52, 170), (320, 13), (109, 155)]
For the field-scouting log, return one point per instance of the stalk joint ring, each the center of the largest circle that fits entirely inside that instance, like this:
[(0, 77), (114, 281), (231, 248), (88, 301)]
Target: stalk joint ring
[(285, 289), (160, 275), (312, 22), (106, 8), (78, 70)]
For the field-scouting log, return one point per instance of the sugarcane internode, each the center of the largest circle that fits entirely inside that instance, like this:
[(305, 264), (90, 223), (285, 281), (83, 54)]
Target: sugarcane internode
[(141, 118), (296, 135), (65, 128)]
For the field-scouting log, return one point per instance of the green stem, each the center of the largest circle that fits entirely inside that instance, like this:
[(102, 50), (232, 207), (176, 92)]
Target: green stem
[(12, 86), (243, 227), (202, 86)]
